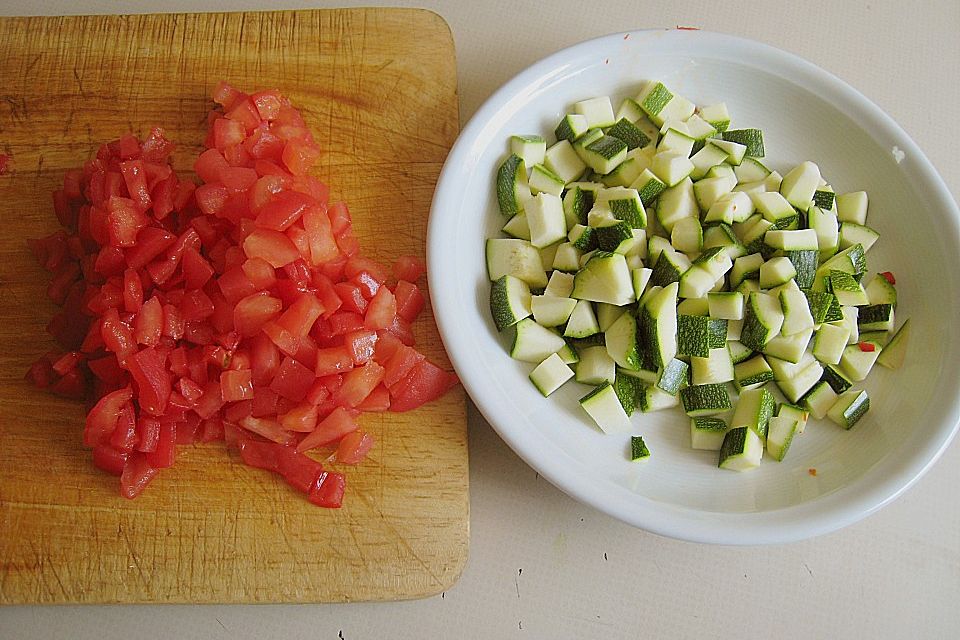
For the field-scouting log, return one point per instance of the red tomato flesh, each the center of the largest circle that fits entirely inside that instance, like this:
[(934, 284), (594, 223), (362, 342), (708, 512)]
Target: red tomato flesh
[(241, 309)]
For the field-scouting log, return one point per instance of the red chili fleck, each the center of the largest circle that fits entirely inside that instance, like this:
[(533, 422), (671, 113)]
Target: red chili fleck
[(812, 471), (688, 28), (867, 346), (4, 164), (889, 277)]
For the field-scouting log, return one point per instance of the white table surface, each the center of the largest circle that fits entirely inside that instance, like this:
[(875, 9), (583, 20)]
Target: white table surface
[(544, 566)]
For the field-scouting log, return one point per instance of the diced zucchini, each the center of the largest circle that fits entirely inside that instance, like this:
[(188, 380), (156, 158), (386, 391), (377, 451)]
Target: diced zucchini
[(560, 285), (512, 188), (687, 235), (621, 342), (567, 257), (658, 326), (543, 180), (751, 170), (605, 154), (670, 267), (705, 159), (604, 278), (693, 307), (551, 311), (676, 141), (876, 317), (849, 408), (847, 290), (509, 301), (895, 350), (780, 435), (531, 148), (789, 348), (799, 185), (517, 227), (582, 322), (717, 115), (852, 233), (671, 167), (856, 363), (598, 111), (709, 190), (829, 343), (735, 151), (545, 218), (675, 203), (707, 434), (577, 202), (754, 409), (773, 206), (880, 291), (745, 267), (730, 207), (625, 204), (726, 305), (648, 186), (517, 258), (627, 389), (673, 376), (607, 314), (775, 272), (533, 343), (852, 207), (734, 329), (805, 262), (604, 407), (571, 127), (652, 398), (738, 352), (752, 373), (641, 278), (610, 238), (794, 412), (762, 320), (705, 400), (795, 387), (819, 399), (716, 368), (742, 449), (638, 449), (596, 366), (562, 159), (836, 379), (752, 139), (549, 375)]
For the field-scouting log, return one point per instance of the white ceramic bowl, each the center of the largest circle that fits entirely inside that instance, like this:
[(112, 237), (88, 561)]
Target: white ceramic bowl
[(805, 113)]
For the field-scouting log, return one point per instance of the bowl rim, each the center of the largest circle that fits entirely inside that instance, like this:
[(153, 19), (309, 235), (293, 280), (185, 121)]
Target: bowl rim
[(848, 504)]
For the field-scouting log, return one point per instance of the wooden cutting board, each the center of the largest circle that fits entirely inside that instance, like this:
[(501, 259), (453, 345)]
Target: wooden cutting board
[(378, 88)]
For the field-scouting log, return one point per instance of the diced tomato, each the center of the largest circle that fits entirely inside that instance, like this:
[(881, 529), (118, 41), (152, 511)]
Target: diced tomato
[(283, 210), (336, 425), (165, 452), (273, 246), (293, 380), (382, 310), (354, 447), (149, 371), (109, 459), (102, 418), (236, 385), (302, 418), (409, 268), (360, 345), (267, 428), (329, 490), (424, 383), (253, 312), (135, 179), (352, 298), (410, 300), (300, 316), (242, 309), (137, 474), (888, 276), (301, 472), (261, 455), (358, 383), (333, 360)]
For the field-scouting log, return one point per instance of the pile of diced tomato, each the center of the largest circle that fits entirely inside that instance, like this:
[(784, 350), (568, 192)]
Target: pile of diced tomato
[(241, 309)]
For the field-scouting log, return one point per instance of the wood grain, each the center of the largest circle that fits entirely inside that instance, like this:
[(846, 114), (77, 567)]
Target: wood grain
[(378, 87)]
